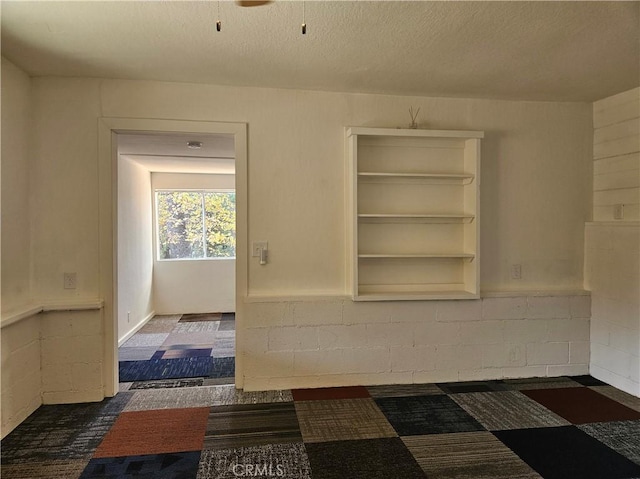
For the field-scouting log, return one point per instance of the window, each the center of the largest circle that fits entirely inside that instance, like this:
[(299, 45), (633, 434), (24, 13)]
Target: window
[(196, 224)]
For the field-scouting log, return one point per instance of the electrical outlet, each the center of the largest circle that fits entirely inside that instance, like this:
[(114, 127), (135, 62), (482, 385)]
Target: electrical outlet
[(618, 212), (257, 247), (69, 280), (128, 316), (516, 271)]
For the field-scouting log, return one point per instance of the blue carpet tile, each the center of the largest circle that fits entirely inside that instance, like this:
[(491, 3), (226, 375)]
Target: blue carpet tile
[(165, 369), (178, 465)]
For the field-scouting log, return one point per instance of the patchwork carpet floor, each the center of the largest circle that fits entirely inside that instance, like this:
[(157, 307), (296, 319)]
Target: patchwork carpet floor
[(561, 428), (180, 351)]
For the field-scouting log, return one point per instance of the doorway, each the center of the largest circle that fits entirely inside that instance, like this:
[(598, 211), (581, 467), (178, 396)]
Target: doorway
[(111, 129)]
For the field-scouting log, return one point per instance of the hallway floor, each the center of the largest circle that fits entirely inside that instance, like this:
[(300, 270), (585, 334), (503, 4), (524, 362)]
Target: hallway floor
[(551, 428), (180, 350)]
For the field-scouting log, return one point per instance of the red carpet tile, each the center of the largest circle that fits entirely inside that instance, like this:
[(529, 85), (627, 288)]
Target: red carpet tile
[(354, 392), (161, 431), (582, 405)]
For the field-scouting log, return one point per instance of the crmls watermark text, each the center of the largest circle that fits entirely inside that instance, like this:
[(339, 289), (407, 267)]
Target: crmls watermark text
[(258, 470)]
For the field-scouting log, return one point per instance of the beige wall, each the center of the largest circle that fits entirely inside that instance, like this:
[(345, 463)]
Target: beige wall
[(612, 251), (135, 247), (535, 190), (21, 376), (193, 286), (16, 217)]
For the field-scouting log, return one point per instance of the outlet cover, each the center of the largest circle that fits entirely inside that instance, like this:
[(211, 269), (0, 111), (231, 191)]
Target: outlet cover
[(618, 212), (258, 246), (69, 280), (516, 271)]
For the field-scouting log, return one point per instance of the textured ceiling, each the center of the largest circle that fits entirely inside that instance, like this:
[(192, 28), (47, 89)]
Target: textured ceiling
[(558, 51)]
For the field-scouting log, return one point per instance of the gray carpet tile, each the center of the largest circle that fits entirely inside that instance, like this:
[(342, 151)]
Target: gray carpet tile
[(618, 395), (404, 390), (189, 339), (467, 455), (507, 410), (122, 387), (472, 387), (621, 436), (227, 324), (287, 461), (168, 383), (540, 383), (159, 324), (201, 397), (217, 352), (136, 353), (229, 334), (198, 317), (62, 431), (145, 340), (218, 381), (245, 425), (196, 327), (341, 420), (53, 469)]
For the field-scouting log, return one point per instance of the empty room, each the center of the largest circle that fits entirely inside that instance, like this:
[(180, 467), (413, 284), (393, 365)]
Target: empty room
[(320, 239)]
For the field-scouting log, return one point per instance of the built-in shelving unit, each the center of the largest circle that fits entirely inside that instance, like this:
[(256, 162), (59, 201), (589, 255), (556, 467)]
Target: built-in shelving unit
[(413, 213)]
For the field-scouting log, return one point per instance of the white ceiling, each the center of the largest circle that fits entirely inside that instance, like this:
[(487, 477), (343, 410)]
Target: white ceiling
[(169, 153), (557, 51)]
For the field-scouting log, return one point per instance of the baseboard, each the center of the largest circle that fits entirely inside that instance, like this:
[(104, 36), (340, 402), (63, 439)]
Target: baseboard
[(136, 328)]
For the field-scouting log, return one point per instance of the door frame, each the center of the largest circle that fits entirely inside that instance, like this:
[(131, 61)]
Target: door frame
[(108, 128)]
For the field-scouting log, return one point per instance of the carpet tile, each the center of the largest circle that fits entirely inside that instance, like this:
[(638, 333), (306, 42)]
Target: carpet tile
[(419, 415), (155, 432), (588, 381), (329, 393), (623, 436), (467, 455), (227, 323), (136, 353), (160, 324), (472, 387), (222, 367), (196, 327), (622, 397), (383, 458), (507, 410), (145, 340), (188, 339), (341, 420), (567, 452), (288, 461), (179, 465), (53, 469), (62, 432), (582, 405), (540, 383), (176, 353), (186, 318), (245, 425), (165, 368), (228, 316), (168, 383), (404, 390)]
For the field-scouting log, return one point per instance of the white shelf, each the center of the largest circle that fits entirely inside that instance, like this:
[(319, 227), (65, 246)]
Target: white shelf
[(413, 207), (413, 218), (465, 256), (457, 178)]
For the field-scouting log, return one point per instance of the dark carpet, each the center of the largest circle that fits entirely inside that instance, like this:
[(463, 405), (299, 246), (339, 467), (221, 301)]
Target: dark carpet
[(165, 368)]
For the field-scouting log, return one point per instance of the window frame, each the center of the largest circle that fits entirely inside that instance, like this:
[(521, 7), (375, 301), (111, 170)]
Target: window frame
[(202, 191)]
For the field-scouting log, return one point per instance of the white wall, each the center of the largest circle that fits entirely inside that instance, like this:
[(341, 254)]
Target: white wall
[(135, 247), (20, 373), (536, 187), (16, 211), (193, 286), (612, 256)]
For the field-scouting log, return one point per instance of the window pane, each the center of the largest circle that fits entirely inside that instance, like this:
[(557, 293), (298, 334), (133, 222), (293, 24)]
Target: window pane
[(220, 221), (180, 224)]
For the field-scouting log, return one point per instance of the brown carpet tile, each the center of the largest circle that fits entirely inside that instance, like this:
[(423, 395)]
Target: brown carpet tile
[(330, 393)]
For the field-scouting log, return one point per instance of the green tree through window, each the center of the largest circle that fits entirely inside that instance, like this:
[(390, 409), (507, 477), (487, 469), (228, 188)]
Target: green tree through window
[(196, 224)]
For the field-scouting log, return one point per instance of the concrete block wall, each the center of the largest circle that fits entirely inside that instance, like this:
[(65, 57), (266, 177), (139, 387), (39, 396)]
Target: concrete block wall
[(338, 342), (72, 357), (53, 357), (21, 376)]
